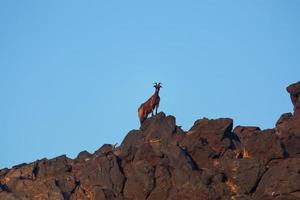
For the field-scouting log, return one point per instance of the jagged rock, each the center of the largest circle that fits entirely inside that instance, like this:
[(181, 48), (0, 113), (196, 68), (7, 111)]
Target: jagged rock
[(159, 127), (83, 155), (284, 118), (53, 167), (130, 145), (211, 133), (247, 182), (161, 161), (256, 143), (245, 131), (163, 183), (282, 179), (140, 180), (288, 130), (294, 90), (101, 171)]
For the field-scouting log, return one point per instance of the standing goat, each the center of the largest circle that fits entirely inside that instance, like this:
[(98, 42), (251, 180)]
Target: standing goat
[(151, 104)]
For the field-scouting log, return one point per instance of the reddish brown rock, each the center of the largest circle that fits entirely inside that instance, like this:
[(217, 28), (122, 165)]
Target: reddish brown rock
[(294, 90), (281, 180), (257, 143), (212, 132), (161, 161), (288, 130)]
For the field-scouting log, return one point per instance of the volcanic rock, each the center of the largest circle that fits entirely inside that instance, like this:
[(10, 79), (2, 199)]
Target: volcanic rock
[(294, 90), (161, 161)]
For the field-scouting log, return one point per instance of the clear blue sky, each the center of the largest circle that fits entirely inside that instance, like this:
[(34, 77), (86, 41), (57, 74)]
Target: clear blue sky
[(73, 73)]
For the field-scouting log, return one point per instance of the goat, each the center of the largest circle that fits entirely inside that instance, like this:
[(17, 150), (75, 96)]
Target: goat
[(152, 103)]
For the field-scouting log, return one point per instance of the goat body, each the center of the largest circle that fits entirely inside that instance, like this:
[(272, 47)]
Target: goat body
[(148, 107)]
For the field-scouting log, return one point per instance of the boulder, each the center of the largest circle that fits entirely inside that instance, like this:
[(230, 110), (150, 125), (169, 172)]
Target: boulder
[(294, 90), (264, 145)]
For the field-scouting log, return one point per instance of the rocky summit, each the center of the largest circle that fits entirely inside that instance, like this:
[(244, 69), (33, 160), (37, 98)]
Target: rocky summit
[(161, 161)]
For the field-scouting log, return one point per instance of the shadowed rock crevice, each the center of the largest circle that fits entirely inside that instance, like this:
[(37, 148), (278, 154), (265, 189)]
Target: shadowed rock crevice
[(212, 160), (4, 188)]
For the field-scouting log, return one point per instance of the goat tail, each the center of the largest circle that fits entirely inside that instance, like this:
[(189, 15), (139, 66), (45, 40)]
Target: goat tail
[(141, 114)]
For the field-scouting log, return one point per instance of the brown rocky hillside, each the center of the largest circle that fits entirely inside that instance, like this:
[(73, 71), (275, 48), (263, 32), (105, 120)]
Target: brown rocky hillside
[(160, 161)]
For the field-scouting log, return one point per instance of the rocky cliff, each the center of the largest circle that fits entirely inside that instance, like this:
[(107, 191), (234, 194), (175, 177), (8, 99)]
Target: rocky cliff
[(160, 161)]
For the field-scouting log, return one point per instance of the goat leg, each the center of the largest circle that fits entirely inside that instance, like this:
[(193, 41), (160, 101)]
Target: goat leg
[(156, 108)]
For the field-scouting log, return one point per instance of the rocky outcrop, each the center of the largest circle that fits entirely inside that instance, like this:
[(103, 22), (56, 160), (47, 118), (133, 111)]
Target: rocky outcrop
[(212, 160), (294, 90)]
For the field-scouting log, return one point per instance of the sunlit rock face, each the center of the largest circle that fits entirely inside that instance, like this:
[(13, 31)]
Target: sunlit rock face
[(212, 160)]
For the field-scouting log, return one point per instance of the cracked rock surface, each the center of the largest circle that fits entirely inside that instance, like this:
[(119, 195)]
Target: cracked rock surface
[(160, 161)]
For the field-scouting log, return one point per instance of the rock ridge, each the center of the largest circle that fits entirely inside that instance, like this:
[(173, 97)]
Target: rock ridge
[(212, 160)]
